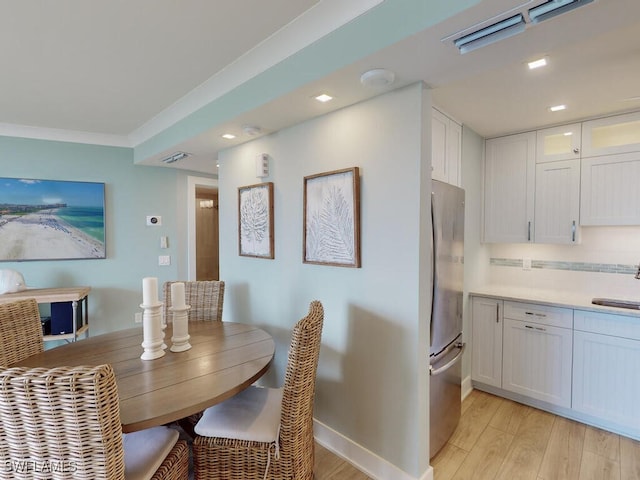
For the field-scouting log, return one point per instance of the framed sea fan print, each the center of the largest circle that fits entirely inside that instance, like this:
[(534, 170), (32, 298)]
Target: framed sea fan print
[(332, 218), (255, 220)]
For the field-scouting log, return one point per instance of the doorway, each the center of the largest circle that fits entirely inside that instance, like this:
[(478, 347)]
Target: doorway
[(207, 251), (193, 205)]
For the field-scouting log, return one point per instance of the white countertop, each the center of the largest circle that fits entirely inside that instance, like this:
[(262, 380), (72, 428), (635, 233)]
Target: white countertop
[(556, 298)]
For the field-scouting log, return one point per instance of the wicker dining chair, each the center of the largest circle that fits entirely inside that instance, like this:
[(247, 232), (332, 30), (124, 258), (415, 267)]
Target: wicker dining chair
[(204, 296), (20, 331), (64, 422), (265, 432)]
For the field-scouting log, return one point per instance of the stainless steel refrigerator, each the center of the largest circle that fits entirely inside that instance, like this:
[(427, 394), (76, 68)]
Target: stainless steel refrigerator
[(446, 346)]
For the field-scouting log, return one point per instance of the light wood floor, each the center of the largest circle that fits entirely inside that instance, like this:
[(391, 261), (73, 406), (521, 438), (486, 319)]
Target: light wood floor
[(329, 466), (503, 440)]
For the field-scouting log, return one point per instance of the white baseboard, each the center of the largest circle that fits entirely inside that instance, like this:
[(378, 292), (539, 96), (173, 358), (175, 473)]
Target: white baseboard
[(364, 460), (466, 387)]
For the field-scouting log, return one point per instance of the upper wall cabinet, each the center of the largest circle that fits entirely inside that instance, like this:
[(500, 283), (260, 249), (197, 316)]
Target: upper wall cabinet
[(611, 135), (558, 143), (446, 147), (557, 211), (609, 190), (509, 188)]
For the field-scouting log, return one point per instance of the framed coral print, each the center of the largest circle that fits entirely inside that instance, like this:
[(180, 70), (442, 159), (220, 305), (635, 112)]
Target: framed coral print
[(332, 218), (255, 220)]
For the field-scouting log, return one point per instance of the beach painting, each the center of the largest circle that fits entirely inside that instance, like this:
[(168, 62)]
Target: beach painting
[(51, 220)]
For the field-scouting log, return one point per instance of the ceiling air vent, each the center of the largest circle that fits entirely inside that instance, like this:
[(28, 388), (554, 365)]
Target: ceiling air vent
[(554, 7), (175, 157), (492, 33)]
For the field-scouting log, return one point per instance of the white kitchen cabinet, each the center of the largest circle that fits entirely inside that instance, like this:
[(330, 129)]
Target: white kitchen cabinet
[(606, 377), (486, 356), (446, 147), (610, 193), (558, 143), (509, 188), (557, 202), (537, 361), (576, 362), (611, 135), (537, 352)]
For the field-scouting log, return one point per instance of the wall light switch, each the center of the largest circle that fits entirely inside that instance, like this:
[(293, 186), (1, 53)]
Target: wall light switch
[(137, 317), (164, 260), (526, 264), (164, 242)]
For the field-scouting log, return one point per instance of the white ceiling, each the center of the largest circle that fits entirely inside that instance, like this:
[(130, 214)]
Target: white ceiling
[(120, 71)]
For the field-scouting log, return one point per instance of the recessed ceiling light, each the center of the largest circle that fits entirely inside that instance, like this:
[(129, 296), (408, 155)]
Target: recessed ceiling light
[(557, 108), (229, 136), (324, 98), (567, 134), (541, 62)]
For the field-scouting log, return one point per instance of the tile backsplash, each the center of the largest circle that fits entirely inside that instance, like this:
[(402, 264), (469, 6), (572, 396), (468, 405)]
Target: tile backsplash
[(604, 263), (560, 265)]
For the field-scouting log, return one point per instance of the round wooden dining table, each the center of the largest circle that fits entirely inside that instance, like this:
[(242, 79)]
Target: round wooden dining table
[(225, 358)]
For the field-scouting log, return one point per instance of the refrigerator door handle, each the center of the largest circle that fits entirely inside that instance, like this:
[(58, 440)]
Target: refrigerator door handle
[(434, 276), (450, 363)]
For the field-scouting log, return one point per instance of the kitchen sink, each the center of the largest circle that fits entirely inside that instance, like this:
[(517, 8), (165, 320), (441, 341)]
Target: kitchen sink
[(612, 302)]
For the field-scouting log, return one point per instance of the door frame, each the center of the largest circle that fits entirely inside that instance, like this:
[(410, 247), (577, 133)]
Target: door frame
[(192, 184)]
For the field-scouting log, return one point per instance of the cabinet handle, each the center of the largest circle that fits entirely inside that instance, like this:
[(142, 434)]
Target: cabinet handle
[(529, 231), (541, 315), (535, 328), (573, 231), (497, 313)]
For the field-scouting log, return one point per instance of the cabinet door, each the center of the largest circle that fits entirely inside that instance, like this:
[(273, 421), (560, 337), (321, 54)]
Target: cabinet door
[(610, 193), (557, 202), (439, 126), (446, 142), (606, 378), (611, 135), (454, 151), (509, 188), (558, 143), (537, 361), (486, 356)]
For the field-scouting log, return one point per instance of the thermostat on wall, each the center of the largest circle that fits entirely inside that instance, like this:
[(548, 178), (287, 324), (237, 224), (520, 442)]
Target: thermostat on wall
[(154, 220)]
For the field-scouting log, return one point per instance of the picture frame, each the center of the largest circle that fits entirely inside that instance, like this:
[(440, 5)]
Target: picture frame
[(51, 220), (255, 221), (331, 224)]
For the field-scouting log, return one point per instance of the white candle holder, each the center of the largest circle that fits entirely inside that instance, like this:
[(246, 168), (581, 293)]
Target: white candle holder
[(180, 337), (152, 334)]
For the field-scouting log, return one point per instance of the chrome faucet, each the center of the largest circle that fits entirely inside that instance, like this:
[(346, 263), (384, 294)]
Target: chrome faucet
[(638, 273)]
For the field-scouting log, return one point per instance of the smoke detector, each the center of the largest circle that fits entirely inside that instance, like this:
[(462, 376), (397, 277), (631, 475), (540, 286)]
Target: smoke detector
[(378, 78)]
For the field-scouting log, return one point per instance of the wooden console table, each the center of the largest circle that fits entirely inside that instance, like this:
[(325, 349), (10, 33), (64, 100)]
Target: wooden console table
[(50, 295)]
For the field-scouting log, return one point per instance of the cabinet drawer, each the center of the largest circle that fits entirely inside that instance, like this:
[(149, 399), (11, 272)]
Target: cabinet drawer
[(541, 314), (625, 326)]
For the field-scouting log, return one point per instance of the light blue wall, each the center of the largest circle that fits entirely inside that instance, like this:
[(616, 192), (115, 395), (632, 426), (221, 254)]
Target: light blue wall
[(131, 192), (372, 378)]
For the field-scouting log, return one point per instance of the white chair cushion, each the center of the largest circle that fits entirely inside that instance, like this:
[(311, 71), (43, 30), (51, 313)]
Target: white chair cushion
[(253, 414), (144, 451)]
